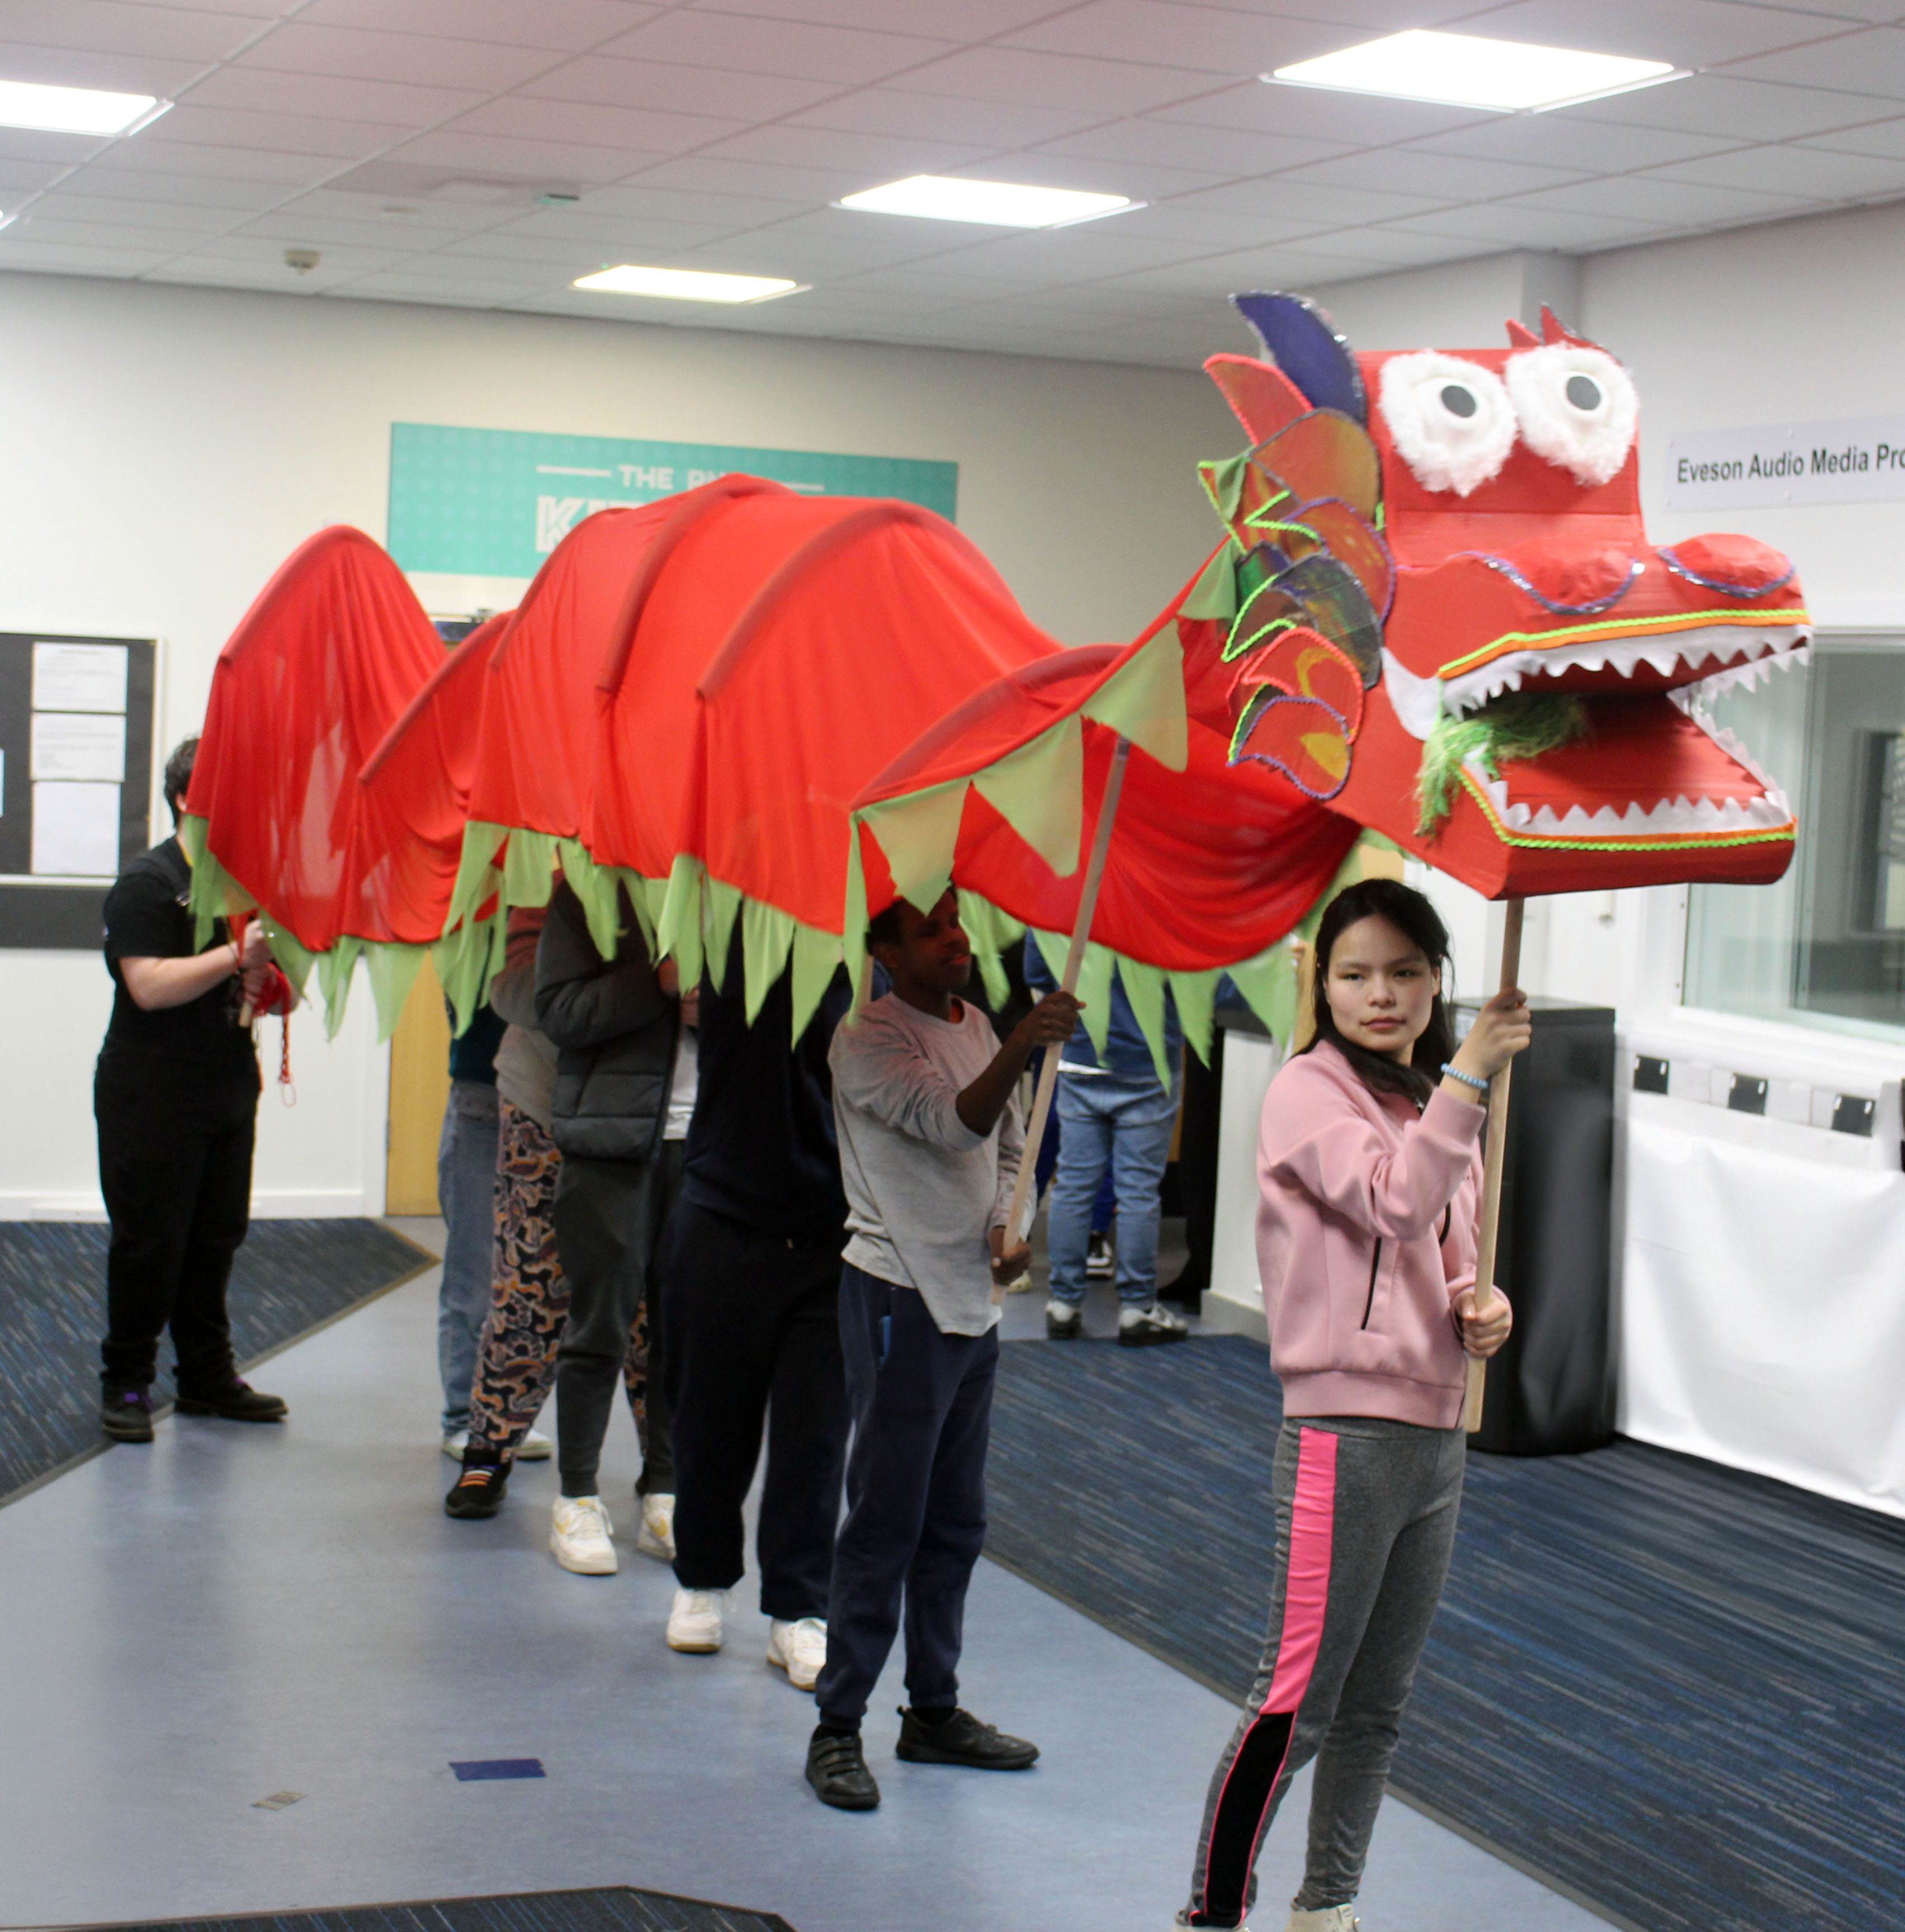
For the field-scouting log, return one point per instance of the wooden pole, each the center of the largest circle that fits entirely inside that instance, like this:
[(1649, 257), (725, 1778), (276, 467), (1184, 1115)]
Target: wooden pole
[(1018, 1219), (1493, 1157)]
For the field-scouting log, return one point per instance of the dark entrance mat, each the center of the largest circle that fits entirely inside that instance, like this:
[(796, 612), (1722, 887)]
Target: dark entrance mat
[(1675, 1692), (290, 1278), (613, 1909)]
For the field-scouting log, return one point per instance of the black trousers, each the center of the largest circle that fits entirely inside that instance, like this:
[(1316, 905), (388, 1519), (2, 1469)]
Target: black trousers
[(175, 1166), (916, 1497), (609, 1216), (750, 1333)]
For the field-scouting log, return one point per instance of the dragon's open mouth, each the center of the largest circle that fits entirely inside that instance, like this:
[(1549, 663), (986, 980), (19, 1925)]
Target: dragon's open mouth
[(1651, 765)]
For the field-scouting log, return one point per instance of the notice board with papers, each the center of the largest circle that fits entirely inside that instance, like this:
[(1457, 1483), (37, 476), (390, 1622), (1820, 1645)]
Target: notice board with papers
[(76, 780)]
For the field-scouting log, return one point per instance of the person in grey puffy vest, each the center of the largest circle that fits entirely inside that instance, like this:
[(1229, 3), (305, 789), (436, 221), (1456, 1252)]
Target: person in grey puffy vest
[(617, 1024)]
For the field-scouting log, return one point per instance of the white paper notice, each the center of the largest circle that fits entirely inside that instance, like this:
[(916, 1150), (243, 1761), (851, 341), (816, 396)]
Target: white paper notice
[(79, 677), (76, 830), (79, 745)]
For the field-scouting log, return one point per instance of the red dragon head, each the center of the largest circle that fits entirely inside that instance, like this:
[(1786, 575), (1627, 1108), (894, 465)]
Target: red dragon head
[(1439, 615)]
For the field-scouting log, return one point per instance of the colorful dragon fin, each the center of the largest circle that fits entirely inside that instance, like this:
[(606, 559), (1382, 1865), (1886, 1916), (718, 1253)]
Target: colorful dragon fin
[(1297, 337), (1520, 336), (1553, 329), (1263, 399)]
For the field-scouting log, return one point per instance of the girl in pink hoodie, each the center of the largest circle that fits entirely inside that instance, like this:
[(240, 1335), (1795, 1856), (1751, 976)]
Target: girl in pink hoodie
[(1368, 1176)]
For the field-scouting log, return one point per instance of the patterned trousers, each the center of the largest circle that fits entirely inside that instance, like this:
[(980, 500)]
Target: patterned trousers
[(529, 1299)]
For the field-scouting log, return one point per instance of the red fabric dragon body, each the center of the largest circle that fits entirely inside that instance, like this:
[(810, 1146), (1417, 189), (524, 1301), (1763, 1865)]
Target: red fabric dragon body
[(1435, 607)]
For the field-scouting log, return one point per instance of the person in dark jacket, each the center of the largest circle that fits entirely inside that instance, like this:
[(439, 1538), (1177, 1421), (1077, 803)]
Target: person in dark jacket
[(176, 1098), (750, 1291), (616, 1023)]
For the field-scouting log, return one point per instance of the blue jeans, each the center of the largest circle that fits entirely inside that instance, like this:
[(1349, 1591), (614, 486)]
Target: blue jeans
[(466, 1191), (1127, 1123)]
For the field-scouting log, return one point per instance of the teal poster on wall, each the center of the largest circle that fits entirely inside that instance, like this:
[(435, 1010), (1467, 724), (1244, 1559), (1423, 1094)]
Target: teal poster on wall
[(494, 502)]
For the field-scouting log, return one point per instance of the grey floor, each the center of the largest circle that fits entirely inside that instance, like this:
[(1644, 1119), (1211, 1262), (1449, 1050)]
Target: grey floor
[(235, 1612)]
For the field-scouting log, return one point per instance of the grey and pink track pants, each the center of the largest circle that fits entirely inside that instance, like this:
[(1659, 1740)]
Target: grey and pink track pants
[(1365, 1521)]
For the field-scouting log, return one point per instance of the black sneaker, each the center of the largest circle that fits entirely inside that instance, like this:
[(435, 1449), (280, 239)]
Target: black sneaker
[(961, 1739), (837, 1768), (478, 1492), (1065, 1321), (235, 1401), (1146, 1328), (126, 1413)]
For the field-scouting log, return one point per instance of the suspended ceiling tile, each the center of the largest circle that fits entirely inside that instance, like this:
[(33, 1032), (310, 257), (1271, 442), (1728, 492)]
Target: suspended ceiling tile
[(1870, 61), (936, 279), (1350, 120), (1555, 140), (19, 177), (1215, 276), (67, 258), (1661, 204), (86, 67), (559, 254), (1228, 151), (1747, 110), (323, 97), (48, 229), (485, 156), (1507, 224), (734, 96), (862, 160), (417, 223), (1450, 177), (623, 232), (1689, 33), (168, 161), (844, 56), (1221, 230), (645, 130), (424, 60), (293, 228), (1211, 39), (1817, 173), (999, 124), (978, 19), (57, 150), (1392, 247), (1069, 80), (1284, 197), (175, 33), (826, 240), (1136, 181), (243, 127), (1879, 137), (195, 193), (1069, 255), (564, 25), (397, 289), (720, 213), (727, 174)]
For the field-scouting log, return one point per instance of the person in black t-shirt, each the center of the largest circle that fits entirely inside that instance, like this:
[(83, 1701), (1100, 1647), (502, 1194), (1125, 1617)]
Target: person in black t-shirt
[(175, 1096)]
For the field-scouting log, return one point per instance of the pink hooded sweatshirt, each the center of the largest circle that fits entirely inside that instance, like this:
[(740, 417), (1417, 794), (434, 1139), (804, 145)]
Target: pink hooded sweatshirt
[(1365, 1234)]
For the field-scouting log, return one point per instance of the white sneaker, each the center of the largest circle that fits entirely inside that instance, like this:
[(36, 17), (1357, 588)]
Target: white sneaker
[(1144, 1327), (694, 1621), (799, 1649), (579, 1534), (1331, 1919), (655, 1535), (535, 1447)]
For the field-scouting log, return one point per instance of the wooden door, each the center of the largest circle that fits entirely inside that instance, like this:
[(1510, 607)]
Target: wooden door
[(419, 1091)]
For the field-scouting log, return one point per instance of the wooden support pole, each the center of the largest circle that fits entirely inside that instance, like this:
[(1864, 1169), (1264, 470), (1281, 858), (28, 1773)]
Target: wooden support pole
[(1493, 1157), (1018, 1219)]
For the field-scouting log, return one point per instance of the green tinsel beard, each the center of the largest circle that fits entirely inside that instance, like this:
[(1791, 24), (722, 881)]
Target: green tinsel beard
[(1517, 724)]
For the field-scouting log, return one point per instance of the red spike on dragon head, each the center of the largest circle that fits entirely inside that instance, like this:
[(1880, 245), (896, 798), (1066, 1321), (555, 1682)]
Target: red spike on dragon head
[(1440, 615)]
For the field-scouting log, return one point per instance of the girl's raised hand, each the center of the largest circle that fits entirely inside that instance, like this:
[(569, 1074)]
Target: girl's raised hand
[(1502, 1029)]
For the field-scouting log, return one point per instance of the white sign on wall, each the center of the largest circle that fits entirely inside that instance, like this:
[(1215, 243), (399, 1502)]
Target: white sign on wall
[(1859, 460)]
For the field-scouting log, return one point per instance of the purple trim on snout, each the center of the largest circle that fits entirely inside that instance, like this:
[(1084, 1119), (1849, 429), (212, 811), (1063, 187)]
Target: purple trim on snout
[(1680, 569)]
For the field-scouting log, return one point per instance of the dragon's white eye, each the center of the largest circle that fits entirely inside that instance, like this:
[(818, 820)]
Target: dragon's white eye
[(1451, 421), (1577, 408)]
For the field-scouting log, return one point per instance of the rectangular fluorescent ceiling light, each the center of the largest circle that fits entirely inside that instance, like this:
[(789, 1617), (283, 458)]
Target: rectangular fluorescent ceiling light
[(688, 284), (998, 204), (1467, 71), (76, 110)]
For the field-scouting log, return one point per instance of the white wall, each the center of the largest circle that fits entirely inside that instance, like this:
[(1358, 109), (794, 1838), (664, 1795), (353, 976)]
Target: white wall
[(166, 448)]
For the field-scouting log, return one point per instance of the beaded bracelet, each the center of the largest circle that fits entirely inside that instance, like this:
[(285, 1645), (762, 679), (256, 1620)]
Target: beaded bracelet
[(1467, 1079)]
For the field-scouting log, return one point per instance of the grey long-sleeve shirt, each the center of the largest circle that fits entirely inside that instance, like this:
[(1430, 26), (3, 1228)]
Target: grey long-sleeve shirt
[(923, 1192)]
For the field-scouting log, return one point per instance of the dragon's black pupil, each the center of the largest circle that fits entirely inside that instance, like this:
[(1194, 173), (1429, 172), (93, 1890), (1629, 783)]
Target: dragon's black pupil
[(1584, 392), (1458, 401)]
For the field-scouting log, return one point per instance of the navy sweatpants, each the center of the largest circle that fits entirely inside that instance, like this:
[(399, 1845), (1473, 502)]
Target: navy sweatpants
[(921, 1404)]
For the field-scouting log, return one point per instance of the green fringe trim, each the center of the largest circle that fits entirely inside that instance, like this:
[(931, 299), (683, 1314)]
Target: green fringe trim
[(1519, 724)]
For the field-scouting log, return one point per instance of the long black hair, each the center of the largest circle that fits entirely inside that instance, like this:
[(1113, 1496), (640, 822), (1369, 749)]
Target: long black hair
[(1412, 915)]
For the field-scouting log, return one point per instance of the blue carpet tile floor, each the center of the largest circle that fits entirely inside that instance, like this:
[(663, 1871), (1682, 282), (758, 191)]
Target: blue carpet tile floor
[(615, 1909), (289, 1277), (1676, 1691)]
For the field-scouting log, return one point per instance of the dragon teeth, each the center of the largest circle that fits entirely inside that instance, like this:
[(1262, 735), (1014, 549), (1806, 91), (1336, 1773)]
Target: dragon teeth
[(1679, 815)]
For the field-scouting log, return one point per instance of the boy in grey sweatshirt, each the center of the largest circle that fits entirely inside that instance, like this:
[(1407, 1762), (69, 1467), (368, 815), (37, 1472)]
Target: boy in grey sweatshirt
[(930, 1149)]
